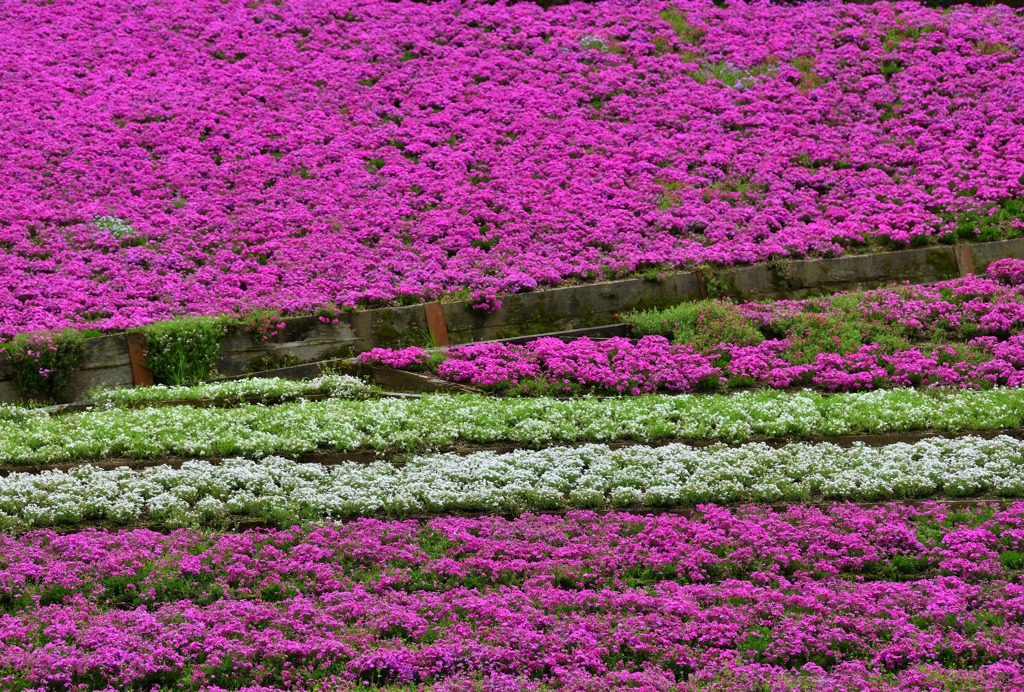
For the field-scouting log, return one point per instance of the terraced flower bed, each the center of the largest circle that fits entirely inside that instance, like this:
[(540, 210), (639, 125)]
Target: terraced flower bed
[(249, 390), (963, 333), (390, 426), (282, 492), (683, 520), (203, 157), (843, 597)]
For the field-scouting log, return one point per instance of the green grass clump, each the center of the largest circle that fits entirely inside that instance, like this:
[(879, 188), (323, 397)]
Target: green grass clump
[(686, 32), (703, 324), (185, 350), (43, 362)]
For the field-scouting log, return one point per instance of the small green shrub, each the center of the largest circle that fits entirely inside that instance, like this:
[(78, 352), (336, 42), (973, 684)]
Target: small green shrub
[(703, 324), (730, 75), (262, 323), (810, 334), (184, 350), (655, 322), (44, 361), (782, 271), (715, 287)]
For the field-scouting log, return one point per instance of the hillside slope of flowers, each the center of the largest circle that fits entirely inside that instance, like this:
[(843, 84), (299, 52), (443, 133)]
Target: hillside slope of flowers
[(844, 598), (199, 156)]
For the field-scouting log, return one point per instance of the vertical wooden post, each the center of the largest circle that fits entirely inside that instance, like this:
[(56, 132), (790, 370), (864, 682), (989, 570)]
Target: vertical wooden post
[(141, 375), (701, 286), (436, 323), (964, 259)]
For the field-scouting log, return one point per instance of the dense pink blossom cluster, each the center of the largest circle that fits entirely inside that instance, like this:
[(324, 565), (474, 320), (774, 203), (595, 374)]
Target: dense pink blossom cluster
[(210, 156), (1009, 271), (955, 308), (842, 598), (653, 363), (985, 310)]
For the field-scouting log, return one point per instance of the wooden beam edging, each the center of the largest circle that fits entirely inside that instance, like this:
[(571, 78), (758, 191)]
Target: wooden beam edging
[(108, 359), (141, 375), (436, 323), (964, 259)]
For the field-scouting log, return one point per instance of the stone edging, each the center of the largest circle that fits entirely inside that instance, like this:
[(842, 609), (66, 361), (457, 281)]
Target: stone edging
[(107, 360)]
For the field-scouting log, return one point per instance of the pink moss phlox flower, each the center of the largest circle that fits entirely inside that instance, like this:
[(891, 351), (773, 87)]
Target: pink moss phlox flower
[(220, 156)]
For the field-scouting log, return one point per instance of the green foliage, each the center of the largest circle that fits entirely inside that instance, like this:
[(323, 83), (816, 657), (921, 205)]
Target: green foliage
[(714, 286), (703, 324), (437, 421), (754, 644), (1012, 560), (43, 362), (264, 363), (117, 227), (841, 323), (184, 350), (900, 34), (668, 199), (686, 32), (811, 334), (536, 387), (262, 323), (995, 48), (811, 79), (730, 75), (782, 271), (991, 221), (891, 67), (331, 312), (653, 274)]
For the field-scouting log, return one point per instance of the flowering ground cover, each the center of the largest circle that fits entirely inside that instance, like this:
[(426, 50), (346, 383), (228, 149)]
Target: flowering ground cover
[(966, 332), (263, 388), (394, 426), (216, 157), (284, 493), (841, 598)]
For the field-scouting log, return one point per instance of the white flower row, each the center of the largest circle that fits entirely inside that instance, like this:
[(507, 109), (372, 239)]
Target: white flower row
[(592, 476), (438, 421), (268, 388)]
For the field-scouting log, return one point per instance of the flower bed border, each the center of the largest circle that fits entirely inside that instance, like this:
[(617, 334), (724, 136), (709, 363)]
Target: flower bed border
[(312, 338)]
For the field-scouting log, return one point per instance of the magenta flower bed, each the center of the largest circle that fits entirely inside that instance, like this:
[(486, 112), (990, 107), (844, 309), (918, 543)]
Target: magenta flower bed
[(841, 597), (618, 365), (986, 307), (199, 156)]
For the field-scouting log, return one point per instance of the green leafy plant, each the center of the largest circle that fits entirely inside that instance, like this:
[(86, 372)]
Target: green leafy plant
[(43, 362), (730, 75), (262, 324), (702, 324), (782, 271), (686, 32), (117, 227), (185, 350), (713, 285)]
